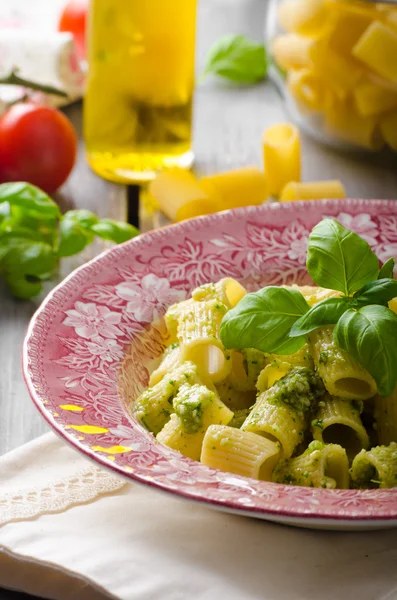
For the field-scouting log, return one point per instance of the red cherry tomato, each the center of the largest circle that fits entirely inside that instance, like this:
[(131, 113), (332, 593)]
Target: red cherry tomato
[(37, 144), (74, 19)]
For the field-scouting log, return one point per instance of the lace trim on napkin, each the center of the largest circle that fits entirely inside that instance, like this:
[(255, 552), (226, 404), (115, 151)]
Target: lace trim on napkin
[(80, 488)]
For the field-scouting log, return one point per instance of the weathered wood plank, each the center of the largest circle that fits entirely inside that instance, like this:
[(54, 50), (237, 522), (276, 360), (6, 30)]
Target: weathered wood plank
[(20, 421)]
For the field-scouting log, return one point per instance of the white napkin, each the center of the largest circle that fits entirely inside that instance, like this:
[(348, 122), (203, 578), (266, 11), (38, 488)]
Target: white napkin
[(73, 530)]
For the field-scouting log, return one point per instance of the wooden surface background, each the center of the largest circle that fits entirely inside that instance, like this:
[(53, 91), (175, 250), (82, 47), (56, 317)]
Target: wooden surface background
[(229, 121), (228, 124)]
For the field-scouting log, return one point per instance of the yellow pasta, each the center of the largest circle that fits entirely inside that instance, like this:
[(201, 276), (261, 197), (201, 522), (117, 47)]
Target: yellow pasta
[(376, 468), (393, 305), (302, 358), (241, 187), (235, 399), (282, 156), (198, 335), (321, 465), (274, 371), (245, 368), (388, 128), (341, 374), (172, 316), (280, 412), (307, 17), (338, 421), (278, 423), (180, 196), (377, 48), (385, 413), (154, 407), (350, 20), (342, 73), (226, 290), (343, 121), (291, 51), (373, 99), (171, 360), (308, 89), (239, 452), (315, 190), (313, 294), (196, 408)]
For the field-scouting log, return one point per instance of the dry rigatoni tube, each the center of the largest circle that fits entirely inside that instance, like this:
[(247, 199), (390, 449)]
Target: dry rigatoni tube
[(179, 195), (291, 51), (241, 187), (307, 17), (313, 190), (377, 49), (281, 156)]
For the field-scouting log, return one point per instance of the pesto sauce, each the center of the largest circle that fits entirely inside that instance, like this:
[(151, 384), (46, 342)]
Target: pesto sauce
[(189, 404), (300, 389)]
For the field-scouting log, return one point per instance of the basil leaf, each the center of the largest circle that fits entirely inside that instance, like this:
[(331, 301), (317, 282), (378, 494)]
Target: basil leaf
[(29, 197), (83, 217), (376, 292), (339, 259), (263, 320), (26, 256), (327, 312), (72, 238), (387, 269), (115, 231), (21, 287), (369, 335), (237, 58)]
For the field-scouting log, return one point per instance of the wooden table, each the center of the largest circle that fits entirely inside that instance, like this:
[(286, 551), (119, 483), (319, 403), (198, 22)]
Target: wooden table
[(228, 125)]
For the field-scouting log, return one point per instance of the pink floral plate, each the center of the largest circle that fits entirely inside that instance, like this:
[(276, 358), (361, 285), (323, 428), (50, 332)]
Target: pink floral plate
[(91, 345)]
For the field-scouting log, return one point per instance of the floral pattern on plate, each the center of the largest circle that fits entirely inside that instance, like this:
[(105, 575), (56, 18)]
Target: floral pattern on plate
[(94, 340)]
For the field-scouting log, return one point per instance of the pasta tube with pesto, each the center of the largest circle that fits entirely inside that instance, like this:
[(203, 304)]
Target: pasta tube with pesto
[(321, 465), (239, 452), (280, 412), (341, 374), (376, 468), (338, 421)]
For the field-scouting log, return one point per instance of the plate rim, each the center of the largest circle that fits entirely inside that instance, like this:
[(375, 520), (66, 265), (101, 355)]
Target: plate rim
[(230, 506)]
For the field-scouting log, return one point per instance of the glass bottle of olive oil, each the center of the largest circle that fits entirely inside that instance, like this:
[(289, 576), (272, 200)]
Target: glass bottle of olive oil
[(138, 103)]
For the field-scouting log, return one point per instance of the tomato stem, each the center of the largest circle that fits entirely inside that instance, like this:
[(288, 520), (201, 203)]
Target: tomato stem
[(14, 79)]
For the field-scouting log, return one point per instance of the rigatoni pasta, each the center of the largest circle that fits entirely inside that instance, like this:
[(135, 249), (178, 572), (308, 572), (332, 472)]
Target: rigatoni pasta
[(341, 374), (340, 66), (338, 421), (385, 413), (239, 452), (321, 465), (196, 408), (294, 419), (376, 468), (281, 156)]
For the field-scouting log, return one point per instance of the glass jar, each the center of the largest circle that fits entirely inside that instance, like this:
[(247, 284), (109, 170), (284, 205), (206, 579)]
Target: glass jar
[(138, 102), (335, 63)]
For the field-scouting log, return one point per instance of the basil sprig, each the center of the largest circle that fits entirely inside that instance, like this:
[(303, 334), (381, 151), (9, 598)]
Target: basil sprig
[(276, 320), (34, 235), (369, 335), (262, 320), (238, 59)]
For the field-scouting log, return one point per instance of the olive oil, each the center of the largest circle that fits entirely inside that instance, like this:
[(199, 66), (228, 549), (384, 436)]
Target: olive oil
[(138, 104)]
